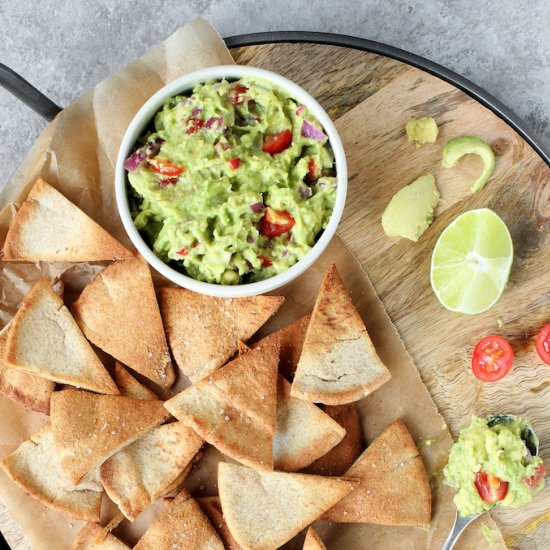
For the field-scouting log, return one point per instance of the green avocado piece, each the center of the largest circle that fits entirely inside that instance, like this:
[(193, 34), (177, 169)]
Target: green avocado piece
[(411, 210), (457, 147), (422, 130)]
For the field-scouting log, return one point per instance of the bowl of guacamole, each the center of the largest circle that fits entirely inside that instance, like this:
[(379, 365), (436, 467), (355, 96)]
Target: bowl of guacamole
[(231, 180)]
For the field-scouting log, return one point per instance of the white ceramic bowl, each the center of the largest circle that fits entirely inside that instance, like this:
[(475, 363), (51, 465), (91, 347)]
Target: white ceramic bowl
[(185, 84)]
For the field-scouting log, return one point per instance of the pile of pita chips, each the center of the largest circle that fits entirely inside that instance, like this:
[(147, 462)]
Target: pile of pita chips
[(313, 541), (204, 331), (93, 537), (394, 488), (338, 363), (263, 510), (119, 313), (48, 227)]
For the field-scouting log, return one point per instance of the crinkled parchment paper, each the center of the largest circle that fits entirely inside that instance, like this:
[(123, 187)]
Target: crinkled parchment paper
[(77, 154)]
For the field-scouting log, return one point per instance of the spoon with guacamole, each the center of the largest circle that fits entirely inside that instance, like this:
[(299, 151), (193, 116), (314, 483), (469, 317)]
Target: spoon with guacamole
[(494, 462)]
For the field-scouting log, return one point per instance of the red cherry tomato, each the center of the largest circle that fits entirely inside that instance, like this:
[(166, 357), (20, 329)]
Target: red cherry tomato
[(165, 167), (537, 477), (183, 252), (313, 172), (492, 358), (275, 222), (235, 97), (266, 262), (490, 488), (275, 143), (543, 344), (193, 125), (235, 163)]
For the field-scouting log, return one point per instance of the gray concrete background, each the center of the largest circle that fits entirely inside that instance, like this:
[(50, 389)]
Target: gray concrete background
[(64, 47)]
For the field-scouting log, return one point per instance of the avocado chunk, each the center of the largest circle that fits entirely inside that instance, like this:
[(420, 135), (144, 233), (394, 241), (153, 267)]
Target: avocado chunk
[(457, 147), (411, 210), (422, 130)]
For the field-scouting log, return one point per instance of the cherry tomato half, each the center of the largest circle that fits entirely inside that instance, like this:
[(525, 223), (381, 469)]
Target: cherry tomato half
[(313, 172), (543, 344), (490, 488), (194, 125), (537, 477), (234, 163), (492, 358), (235, 97), (275, 222), (165, 167), (266, 262), (275, 143)]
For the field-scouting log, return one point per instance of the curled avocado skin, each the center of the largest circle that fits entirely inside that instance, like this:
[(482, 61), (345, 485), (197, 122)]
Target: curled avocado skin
[(457, 147)]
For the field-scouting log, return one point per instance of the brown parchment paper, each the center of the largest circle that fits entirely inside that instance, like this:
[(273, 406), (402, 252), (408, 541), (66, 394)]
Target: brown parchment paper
[(77, 154)]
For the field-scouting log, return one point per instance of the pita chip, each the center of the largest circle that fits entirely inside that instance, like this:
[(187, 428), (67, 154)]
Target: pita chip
[(338, 364), (36, 468), (93, 537), (204, 331), (394, 488), (181, 524), (48, 227), (304, 432), (129, 386), (146, 469), (45, 340), (212, 507), (235, 408), (313, 541), (118, 312), (89, 428), (29, 390), (263, 510)]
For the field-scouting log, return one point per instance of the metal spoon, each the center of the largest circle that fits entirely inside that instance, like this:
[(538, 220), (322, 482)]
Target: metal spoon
[(532, 444)]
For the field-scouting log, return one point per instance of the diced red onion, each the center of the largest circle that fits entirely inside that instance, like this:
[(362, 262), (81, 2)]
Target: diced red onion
[(215, 122), (311, 132), (299, 110), (135, 160), (184, 100), (249, 265), (250, 239), (305, 191), (257, 207), (285, 252), (196, 111)]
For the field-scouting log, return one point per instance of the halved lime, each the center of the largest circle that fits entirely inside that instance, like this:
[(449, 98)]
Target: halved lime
[(471, 262)]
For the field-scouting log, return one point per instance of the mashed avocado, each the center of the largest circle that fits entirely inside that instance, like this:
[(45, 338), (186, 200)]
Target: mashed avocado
[(497, 449), (233, 183)]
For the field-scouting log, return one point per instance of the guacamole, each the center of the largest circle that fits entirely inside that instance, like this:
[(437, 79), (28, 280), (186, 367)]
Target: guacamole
[(232, 183), (491, 464)]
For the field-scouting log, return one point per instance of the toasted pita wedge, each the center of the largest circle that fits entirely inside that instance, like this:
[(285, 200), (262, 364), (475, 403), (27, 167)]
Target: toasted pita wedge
[(181, 524), (36, 468), (394, 488), (235, 408), (45, 340), (340, 458), (29, 390), (291, 338), (313, 542), (212, 507), (89, 428), (48, 227), (304, 432), (118, 312), (93, 537), (204, 331), (263, 510), (338, 364), (129, 386), (145, 470)]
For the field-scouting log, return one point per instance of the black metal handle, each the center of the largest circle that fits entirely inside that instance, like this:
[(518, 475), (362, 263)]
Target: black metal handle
[(27, 93)]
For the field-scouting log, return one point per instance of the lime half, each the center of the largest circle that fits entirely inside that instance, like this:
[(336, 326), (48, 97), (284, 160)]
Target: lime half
[(471, 262)]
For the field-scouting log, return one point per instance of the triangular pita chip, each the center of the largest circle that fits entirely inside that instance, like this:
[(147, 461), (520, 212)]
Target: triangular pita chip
[(118, 312), (93, 537), (338, 364), (89, 428), (36, 468), (313, 542), (181, 524), (394, 488), (263, 510), (29, 390), (48, 227), (45, 340), (235, 408), (145, 470), (291, 339), (129, 386), (204, 331), (304, 432), (212, 507), (340, 458)]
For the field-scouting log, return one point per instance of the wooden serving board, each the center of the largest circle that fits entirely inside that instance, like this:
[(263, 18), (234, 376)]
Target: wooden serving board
[(372, 97)]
